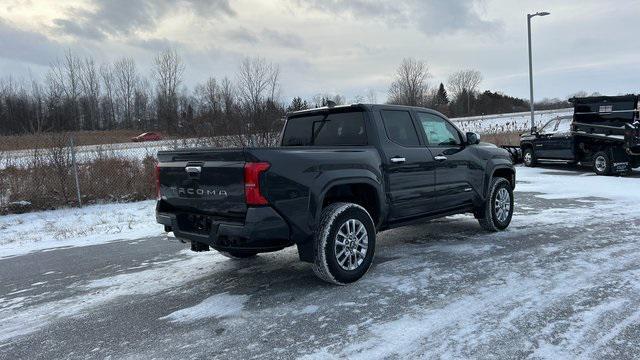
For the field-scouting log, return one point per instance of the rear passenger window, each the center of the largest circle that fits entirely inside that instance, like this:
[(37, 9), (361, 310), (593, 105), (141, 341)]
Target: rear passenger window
[(399, 127)]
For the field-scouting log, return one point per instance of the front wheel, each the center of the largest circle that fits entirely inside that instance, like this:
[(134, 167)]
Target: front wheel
[(497, 211), (344, 243), (528, 158)]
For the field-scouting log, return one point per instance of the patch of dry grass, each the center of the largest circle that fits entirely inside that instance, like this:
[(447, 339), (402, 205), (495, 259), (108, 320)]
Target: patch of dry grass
[(39, 141), (506, 138)]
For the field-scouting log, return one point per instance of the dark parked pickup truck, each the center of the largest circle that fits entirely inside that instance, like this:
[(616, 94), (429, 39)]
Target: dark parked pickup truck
[(340, 175), (603, 132)]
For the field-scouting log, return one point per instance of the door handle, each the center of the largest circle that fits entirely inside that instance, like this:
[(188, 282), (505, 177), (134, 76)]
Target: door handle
[(440, 158), (397, 160)]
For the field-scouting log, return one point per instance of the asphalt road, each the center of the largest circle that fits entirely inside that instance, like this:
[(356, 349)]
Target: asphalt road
[(563, 282)]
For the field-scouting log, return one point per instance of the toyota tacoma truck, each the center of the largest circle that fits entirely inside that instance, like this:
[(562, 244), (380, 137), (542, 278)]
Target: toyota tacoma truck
[(340, 175)]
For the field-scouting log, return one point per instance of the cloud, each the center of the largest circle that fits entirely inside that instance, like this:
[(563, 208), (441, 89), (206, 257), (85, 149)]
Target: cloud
[(125, 17), (155, 44), (26, 46), (266, 36), (430, 17), (284, 39), (243, 35)]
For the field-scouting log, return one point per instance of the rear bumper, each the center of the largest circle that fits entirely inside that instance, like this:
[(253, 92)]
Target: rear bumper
[(263, 230)]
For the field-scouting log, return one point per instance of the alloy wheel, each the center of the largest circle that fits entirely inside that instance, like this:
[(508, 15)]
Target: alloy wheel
[(351, 244), (502, 205)]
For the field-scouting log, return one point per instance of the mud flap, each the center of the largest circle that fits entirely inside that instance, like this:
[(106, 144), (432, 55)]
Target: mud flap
[(306, 250), (620, 161)]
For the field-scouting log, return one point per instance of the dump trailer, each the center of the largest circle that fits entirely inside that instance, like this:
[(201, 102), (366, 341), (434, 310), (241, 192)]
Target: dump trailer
[(604, 133)]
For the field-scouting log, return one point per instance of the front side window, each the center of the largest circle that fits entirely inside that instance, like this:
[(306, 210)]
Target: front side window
[(557, 126), (334, 129), (549, 127), (399, 127), (439, 131), (564, 126)]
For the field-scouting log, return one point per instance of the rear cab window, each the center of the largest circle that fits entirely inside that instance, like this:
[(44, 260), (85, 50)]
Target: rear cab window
[(326, 129)]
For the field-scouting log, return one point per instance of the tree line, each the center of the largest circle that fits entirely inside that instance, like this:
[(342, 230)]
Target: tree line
[(461, 95), (79, 94)]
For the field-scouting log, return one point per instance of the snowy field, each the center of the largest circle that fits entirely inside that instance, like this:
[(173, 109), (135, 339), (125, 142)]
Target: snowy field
[(515, 122), (562, 282)]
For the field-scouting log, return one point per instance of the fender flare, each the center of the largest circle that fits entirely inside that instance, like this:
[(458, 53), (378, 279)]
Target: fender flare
[(319, 198), (491, 175)]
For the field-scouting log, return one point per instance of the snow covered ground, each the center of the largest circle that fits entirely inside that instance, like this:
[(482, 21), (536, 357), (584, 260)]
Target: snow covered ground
[(90, 225), (562, 282), (515, 122)]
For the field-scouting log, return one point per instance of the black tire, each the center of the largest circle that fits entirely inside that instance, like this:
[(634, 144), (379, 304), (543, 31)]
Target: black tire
[(529, 157), (327, 265), (602, 163), (489, 217), (239, 254)]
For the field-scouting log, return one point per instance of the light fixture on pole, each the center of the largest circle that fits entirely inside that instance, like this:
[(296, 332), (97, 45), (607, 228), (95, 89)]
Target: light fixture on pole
[(529, 16)]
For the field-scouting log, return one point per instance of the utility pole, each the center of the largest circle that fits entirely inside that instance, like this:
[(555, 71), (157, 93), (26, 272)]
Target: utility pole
[(529, 16)]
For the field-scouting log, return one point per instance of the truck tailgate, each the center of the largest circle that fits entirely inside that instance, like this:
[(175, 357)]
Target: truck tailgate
[(203, 182)]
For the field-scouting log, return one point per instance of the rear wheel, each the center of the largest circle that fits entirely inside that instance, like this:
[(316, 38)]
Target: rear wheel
[(528, 157), (602, 163), (498, 208), (344, 244), (239, 254)]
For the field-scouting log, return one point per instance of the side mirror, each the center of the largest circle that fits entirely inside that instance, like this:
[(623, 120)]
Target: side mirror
[(473, 138), (534, 130)]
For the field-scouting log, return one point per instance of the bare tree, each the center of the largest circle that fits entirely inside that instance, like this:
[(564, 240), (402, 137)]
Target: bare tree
[(90, 84), (410, 86), (126, 81), (257, 81), (357, 99), (108, 101), (168, 71), (258, 86), (462, 80), (322, 99), (372, 97), (64, 76), (37, 122)]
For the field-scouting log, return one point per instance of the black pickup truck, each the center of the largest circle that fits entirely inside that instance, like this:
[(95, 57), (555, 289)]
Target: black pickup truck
[(340, 175), (603, 132)]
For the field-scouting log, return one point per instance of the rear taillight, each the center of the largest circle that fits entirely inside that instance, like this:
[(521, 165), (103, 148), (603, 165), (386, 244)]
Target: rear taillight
[(252, 171), (157, 181)]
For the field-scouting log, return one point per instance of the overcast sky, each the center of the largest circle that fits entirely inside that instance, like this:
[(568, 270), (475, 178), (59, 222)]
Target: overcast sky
[(341, 46)]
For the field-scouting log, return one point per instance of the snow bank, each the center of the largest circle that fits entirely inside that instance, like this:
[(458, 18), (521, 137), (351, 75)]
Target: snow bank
[(90, 225)]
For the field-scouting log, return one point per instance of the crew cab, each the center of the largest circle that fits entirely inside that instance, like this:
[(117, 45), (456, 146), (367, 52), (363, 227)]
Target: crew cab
[(340, 175), (603, 132)]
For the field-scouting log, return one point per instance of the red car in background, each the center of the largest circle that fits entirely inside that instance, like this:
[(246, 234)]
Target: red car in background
[(148, 136)]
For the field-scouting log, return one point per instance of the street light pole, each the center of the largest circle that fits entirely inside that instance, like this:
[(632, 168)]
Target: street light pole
[(529, 16)]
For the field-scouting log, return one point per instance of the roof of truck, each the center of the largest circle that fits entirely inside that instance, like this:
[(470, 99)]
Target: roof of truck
[(599, 99), (362, 106)]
